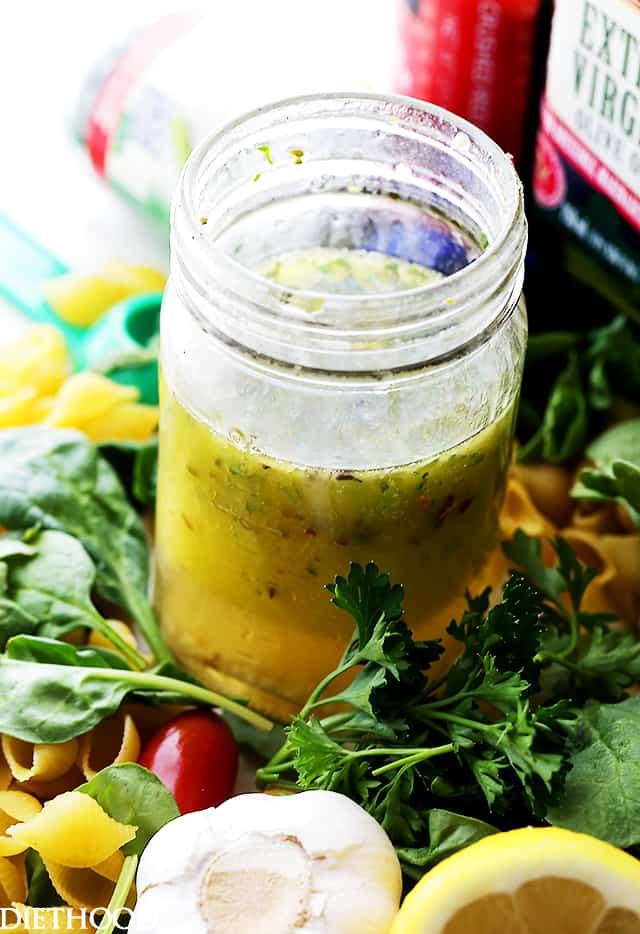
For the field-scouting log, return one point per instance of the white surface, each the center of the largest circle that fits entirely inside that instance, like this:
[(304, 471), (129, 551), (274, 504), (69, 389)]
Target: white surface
[(46, 182)]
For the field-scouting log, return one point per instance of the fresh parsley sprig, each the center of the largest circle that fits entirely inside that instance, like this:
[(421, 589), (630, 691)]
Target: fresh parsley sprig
[(582, 655), (405, 741), (443, 757)]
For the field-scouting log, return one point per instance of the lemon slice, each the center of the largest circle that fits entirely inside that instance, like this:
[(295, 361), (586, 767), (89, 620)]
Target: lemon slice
[(531, 881)]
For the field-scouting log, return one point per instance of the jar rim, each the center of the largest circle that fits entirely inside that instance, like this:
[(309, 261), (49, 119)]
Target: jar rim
[(186, 187), (401, 315)]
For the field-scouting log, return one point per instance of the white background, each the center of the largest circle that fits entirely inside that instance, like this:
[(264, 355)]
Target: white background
[(46, 46)]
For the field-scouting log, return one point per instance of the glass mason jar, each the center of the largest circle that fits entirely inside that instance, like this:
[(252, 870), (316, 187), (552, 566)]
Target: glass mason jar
[(342, 342)]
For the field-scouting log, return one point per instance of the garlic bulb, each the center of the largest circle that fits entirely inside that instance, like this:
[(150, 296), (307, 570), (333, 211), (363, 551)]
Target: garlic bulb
[(311, 863)]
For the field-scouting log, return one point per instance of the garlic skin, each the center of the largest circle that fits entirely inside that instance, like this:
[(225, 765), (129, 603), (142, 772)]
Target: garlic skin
[(310, 863)]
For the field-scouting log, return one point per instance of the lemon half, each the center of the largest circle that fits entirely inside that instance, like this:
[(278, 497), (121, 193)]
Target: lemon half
[(531, 881)]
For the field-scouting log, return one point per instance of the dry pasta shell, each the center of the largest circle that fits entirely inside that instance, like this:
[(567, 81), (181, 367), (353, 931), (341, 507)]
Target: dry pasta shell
[(589, 551), (13, 882), (123, 630), (5, 773), (48, 920), (86, 397), (113, 741), (39, 359), (15, 806), (625, 519), (40, 761), (73, 830), (129, 421), (148, 719), (86, 888), (595, 517), (624, 553), (520, 512), (17, 407), (47, 790), (548, 486)]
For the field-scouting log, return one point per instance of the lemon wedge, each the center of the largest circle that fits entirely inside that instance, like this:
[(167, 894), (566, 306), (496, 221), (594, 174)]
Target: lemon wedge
[(531, 881)]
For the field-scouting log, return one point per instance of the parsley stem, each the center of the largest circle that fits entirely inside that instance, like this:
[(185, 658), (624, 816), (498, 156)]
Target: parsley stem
[(284, 752), (315, 698), (419, 756), (572, 642), (427, 714), (271, 770)]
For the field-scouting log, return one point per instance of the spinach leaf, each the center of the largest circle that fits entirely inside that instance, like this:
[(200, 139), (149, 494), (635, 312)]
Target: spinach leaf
[(261, 744), (136, 464), (55, 478), (47, 701), (50, 651), (49, 592), (602, 790), (616, 475), (448, 833), (620, 442), (563, 429), (41, 893), (619, 484), (571, 381), (50, 703), (132, 794), (612, 360), (13, 547)]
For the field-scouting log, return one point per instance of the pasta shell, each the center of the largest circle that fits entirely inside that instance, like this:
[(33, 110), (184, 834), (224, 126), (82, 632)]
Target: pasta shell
[(148, 719), (13, 882), (40, 761), (520, 512), (588, 549), (73, 830), (5, 773), (548, 486), (113, 741), (38, 358), (624, 590), (86, 888), (15, 806), (16, 407), (47, 790), (123, 630), (86, 397), (129, 421), (595, 517)]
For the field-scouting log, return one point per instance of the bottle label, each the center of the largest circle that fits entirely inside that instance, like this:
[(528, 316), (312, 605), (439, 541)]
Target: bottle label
[(138, 136), (474, 59), (587, 170)]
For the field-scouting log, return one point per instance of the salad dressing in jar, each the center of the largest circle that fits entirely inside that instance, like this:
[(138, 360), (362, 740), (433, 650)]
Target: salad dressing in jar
[(342, 346)]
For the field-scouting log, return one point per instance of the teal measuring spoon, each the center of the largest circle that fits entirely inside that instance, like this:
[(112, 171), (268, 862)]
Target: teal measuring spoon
[(122, 344)]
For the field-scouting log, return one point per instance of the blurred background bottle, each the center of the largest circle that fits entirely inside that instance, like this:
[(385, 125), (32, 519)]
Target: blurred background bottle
[(154, 95), (475, 58), (586, 181)]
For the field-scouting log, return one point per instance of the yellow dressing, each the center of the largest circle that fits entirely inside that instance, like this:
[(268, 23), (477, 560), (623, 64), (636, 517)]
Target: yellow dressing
[(246, 543)]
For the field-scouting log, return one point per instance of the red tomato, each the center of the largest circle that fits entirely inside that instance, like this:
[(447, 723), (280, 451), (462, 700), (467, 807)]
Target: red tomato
[(196, 757)]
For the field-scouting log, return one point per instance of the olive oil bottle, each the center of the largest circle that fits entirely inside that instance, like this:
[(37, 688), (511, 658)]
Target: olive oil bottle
[(586, 180)]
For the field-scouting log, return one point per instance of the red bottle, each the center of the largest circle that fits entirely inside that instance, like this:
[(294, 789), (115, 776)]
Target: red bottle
[(473, 57)]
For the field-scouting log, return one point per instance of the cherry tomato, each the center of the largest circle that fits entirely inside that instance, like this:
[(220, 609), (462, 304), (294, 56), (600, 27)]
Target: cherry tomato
[(196, 757)]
